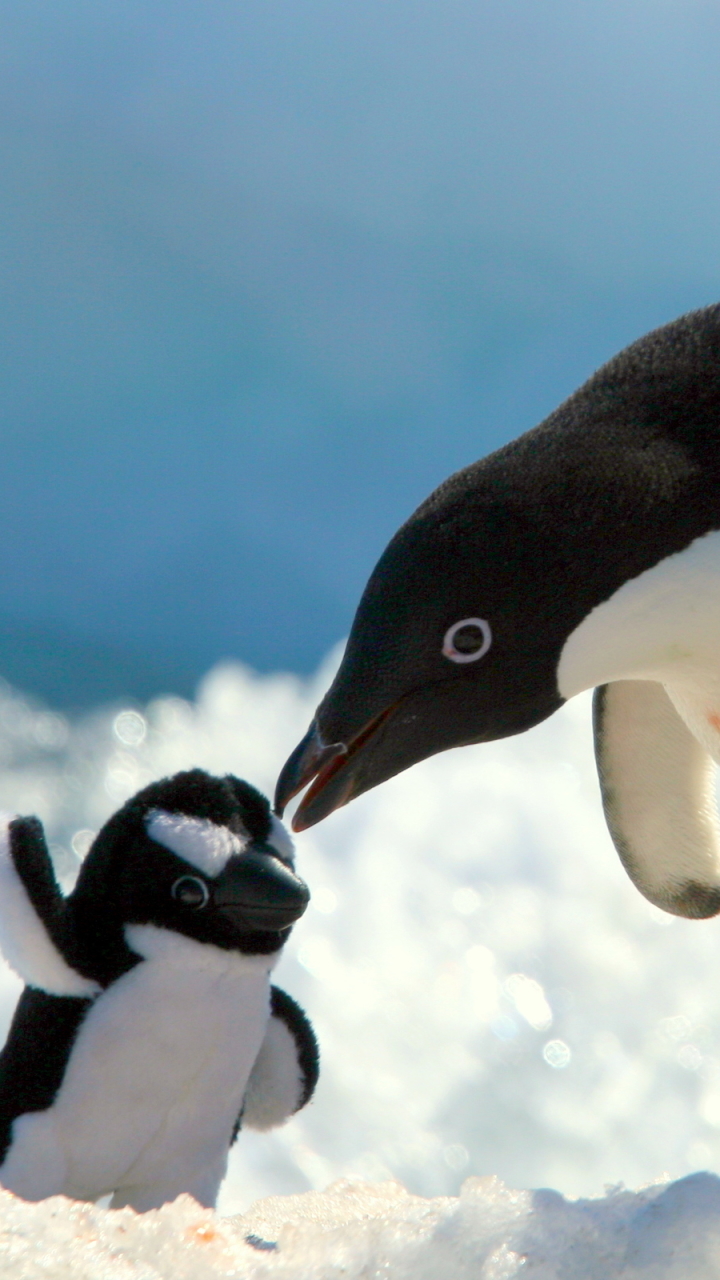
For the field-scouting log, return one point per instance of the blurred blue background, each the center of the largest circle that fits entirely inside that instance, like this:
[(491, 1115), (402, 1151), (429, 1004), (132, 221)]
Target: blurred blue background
[(271, 270)]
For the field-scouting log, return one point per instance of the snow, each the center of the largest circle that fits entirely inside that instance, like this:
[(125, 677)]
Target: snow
[(492, 997), (357, 1231)]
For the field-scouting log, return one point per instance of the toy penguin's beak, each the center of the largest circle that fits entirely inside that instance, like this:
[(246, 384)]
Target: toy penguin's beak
[(257, 892)]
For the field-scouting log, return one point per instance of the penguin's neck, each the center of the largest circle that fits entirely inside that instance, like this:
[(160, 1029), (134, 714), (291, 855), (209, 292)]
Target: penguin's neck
[(663, 625), (164, 947)]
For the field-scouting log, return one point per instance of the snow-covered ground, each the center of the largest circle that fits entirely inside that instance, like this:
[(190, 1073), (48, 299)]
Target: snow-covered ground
[(371, 1231), (491, 994)]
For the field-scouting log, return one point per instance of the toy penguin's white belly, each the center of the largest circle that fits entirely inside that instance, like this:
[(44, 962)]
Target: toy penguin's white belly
[(663, 625), (156, 1078)]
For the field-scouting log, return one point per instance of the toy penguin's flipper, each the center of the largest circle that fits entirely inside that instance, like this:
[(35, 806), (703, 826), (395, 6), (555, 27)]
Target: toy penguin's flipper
[(34, 937), (658, 792), (286, 1069)]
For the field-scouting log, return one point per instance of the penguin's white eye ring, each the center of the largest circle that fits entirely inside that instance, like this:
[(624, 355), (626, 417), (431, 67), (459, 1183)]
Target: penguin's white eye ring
[(191, 891), (467, 640)]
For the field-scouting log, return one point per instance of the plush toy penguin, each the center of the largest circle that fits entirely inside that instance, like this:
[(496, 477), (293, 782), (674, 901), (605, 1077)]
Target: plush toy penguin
[(148, 1031), (584, 554)]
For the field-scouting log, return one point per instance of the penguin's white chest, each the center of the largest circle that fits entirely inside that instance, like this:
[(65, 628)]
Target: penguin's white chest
[(663, 625), (156, 1078)]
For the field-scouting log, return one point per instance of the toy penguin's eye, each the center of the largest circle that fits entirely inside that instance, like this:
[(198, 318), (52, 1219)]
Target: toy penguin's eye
[(190, 891), (467, 640)]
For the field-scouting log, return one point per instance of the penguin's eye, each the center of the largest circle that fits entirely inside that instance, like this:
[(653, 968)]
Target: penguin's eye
[(191, 891), (467, 640)]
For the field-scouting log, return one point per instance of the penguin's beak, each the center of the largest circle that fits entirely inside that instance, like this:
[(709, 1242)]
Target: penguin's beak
[(341, 764), (259, 893), (312, 758), (334, 769), (341, 771)]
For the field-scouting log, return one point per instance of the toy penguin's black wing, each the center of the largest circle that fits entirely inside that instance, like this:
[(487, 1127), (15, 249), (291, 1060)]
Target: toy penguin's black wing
[(286, 1069), (35, 936), (33, 1062)]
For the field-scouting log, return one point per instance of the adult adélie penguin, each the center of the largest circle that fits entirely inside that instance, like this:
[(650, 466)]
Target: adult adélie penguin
[(585, 554)]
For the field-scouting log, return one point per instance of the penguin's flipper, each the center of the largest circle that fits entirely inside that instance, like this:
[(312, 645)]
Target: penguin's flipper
[(34, 936), (658, 792), (286, 1069)]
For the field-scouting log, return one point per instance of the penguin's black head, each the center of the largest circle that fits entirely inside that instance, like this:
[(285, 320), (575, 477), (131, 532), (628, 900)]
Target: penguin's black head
[(455, 641), (193, 854), (460, 631)]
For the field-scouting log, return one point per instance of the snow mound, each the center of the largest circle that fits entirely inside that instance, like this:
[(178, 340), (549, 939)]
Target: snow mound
[(359, 1231)]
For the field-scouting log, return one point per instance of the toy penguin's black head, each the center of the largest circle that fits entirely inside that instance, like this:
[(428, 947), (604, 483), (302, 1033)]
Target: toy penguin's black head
[(194, 854)]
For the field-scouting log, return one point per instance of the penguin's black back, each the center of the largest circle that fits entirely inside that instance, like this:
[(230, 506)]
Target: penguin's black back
[(623, 474), (32, 1064), (642, 433)]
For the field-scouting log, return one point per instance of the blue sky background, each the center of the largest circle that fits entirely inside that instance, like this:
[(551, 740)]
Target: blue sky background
[(270, 270)]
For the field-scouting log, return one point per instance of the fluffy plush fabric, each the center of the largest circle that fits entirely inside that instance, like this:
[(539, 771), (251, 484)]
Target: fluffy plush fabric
[(286, 1069), (159, 1069), (30, 913), (33, 1062), (280, 839), (138, 1088), (197, 840)]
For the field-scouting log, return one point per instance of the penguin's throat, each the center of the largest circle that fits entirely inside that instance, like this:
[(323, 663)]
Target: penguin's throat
[(153, 943), (663, 625)]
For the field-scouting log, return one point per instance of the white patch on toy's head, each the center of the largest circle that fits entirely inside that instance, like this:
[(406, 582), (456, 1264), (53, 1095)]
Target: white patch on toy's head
[(198, 841), (281, 839)]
